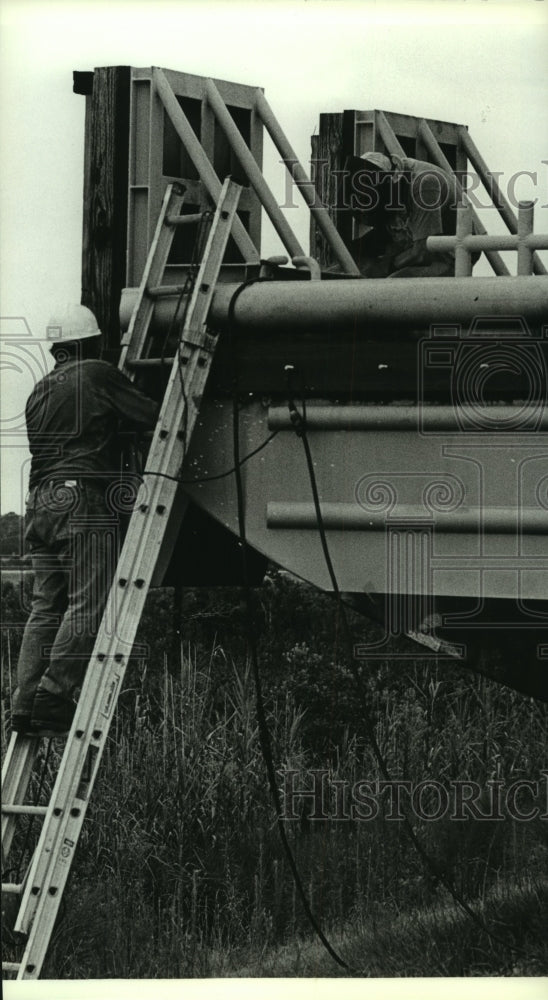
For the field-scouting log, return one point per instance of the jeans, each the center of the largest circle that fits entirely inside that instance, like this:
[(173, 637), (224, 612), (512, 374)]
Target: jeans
[(72, 530)]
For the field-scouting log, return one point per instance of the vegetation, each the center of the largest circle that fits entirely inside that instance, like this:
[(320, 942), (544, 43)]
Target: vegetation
[(180, 871), (12, 541)]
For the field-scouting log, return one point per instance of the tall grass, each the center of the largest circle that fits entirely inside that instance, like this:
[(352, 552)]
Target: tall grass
[(180, 871)]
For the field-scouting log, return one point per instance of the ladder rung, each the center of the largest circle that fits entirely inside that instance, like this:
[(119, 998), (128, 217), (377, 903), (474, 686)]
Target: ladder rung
[(149, 362), (164, 291), (11, 966), (15, 888), (184, 220), (10, 810)]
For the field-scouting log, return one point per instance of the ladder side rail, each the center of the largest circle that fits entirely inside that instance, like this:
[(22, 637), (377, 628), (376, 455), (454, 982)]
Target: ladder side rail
[(491, 185), (200, 160), (96, 704), (318, 210), (253, 171), (134, 338), (432, 145)]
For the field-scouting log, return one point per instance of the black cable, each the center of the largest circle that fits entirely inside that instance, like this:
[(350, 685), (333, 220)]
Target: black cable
[(299, 423), (264, 734), (219, 475)]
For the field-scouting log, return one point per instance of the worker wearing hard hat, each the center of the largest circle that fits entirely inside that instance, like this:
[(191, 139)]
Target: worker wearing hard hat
[(399, 202), (73, 514)]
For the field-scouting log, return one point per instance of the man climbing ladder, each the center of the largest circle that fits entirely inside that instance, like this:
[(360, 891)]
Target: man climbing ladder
[(72, 524)]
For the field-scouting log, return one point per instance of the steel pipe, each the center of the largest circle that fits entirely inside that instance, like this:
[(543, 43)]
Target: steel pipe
[(358, 302), (479, 419), (489, 241), (352, 517), (272, 306)]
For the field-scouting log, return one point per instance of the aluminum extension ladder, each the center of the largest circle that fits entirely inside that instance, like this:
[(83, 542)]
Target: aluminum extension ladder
[(43, 885)]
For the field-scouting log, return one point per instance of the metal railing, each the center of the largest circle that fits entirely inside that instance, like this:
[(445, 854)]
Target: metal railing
[(499, 201), (465, 242)]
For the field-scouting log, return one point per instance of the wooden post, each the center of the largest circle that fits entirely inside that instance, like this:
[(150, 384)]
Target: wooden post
[(327, 159), (105, 196)]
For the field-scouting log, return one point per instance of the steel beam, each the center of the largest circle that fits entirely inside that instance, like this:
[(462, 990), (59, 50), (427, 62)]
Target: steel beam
[(431, 143), (490, 183), (318, 211), (253, 171), (200, 160)]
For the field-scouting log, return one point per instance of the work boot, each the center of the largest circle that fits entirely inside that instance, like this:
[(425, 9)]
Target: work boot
[(51, 713), (21, 724)]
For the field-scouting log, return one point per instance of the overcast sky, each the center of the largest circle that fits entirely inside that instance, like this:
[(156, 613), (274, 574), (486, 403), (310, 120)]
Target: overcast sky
[(481, 63)]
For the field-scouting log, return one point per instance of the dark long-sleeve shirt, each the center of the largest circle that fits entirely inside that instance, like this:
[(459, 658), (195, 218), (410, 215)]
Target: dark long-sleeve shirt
[(73, 416)]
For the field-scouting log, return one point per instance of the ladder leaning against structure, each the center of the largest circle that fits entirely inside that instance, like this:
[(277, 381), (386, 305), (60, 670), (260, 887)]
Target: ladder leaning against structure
[(155, 103), (42, 887)]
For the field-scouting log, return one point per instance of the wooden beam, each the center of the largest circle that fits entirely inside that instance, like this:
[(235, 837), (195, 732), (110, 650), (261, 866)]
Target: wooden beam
[(105, 199), (327, 159)]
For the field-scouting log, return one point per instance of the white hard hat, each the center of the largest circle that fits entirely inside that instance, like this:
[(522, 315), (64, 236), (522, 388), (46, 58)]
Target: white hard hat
[(72, 322), (378, 160)]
